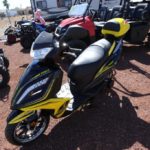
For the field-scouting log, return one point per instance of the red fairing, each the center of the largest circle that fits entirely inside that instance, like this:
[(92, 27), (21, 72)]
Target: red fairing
[(87, 23)]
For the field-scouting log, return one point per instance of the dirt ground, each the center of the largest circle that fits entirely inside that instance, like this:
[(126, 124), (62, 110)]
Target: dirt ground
[(119, 120)]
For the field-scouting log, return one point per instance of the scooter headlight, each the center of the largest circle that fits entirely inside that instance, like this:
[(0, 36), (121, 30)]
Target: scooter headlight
[(40, 53)]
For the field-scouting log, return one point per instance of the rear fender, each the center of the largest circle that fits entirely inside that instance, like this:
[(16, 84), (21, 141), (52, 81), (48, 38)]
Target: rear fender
[(58, 105)]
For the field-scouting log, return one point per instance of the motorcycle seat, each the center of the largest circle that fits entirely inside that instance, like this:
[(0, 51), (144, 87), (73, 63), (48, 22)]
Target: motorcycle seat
[(85, 67), (44, 40)]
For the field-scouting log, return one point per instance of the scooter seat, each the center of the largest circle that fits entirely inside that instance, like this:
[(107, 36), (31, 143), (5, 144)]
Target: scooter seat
[(84, 68), (44, 40)]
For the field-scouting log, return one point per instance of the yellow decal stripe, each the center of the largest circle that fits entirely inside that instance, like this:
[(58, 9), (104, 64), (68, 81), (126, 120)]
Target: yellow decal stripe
[(46, 104), (57, 104), (52, 104), (40, 74), (21, 117), (103, 69), (112, 48)]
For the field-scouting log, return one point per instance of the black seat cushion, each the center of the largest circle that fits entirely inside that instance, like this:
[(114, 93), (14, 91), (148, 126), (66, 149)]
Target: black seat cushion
[(44, 40), (84, 68)]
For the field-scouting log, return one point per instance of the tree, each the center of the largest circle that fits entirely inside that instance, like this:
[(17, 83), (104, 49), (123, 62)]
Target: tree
[(6, 4)]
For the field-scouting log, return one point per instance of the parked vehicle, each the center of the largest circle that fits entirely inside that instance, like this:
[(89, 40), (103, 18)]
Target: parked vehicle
[(4, 73), (138, 15), (29, 32), (14, 32), (40, 93), (81, 20), (88, 22)]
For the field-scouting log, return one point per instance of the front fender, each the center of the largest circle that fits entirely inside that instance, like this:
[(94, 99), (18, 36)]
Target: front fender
[(17, 116)]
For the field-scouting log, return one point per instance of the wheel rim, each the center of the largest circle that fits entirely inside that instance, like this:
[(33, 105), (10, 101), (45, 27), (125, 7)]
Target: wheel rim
[(1, 78), (27, 132)]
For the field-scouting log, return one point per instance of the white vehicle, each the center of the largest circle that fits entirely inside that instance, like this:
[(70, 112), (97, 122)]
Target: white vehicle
[(48, 4)]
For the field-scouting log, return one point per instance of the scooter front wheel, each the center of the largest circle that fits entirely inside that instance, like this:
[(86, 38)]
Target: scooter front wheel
[(25, 132)]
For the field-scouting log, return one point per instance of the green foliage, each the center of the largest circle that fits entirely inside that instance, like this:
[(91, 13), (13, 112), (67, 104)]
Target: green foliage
[(6, 4)]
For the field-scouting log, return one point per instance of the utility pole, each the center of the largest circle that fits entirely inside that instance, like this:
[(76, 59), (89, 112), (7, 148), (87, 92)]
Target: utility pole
[(6, 4)]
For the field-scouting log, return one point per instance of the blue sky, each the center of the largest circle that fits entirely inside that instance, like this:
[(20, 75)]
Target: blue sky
[(16, 3)]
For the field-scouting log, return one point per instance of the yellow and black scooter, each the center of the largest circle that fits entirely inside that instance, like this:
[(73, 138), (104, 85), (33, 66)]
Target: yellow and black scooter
[(40, 93)]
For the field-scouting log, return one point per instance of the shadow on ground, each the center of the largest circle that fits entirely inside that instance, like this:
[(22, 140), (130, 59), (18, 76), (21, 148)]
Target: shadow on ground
[(112, 123), (138, 53), (25, 51), (11, 44), (24, 65)]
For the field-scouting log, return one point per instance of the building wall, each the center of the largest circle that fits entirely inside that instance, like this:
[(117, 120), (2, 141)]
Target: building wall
[(51, 3), (11, 13)]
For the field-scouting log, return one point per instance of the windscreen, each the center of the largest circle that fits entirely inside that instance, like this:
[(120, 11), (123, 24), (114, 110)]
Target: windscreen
[(136, 1), (139, 1), (78, 10), (110, 3)]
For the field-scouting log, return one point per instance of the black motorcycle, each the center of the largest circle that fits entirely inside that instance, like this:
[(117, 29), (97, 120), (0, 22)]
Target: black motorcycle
[(4, 73)]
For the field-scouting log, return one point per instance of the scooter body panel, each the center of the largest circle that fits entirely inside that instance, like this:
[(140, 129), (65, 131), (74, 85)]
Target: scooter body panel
[(57, 106), (98, 81), (37, 84)]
